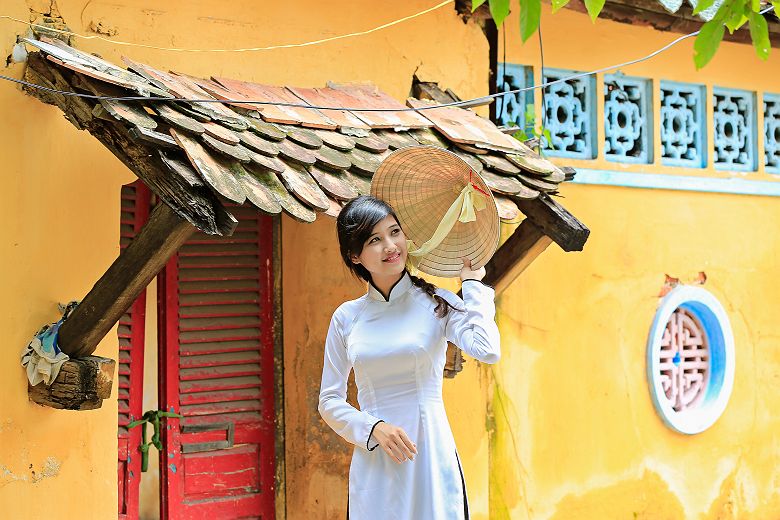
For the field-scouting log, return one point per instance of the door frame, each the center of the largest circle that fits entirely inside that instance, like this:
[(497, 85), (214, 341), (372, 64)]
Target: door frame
[(167, 287)]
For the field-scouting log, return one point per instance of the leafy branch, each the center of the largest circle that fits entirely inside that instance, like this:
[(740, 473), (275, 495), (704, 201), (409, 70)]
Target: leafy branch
[(731, 15), (541, 134)]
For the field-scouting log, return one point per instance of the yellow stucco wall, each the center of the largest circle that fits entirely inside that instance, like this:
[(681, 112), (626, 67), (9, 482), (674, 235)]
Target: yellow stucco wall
[(572, 431), (59, 209), (576, 434), (60, 205)]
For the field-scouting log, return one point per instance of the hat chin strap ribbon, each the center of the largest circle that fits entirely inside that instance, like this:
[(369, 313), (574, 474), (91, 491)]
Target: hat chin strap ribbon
[(463, 209)]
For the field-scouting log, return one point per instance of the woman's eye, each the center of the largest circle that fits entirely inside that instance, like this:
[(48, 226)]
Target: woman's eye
[(396, 231)]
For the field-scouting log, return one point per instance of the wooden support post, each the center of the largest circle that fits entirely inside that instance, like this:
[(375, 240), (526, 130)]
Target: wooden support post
[(526, 243), (82, 384), (118, 288)]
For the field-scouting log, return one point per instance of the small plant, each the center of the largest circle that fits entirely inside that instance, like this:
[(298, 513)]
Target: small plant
[(530, 131)]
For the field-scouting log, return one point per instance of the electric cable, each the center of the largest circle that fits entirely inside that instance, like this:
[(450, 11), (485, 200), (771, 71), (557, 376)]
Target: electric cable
[(467, 102), (245, 49)]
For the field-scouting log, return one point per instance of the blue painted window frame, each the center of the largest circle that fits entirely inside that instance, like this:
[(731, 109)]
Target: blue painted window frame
[(589, 113), (700, 122), (524, 75), (645, 107), (752, 151), (775, 124)]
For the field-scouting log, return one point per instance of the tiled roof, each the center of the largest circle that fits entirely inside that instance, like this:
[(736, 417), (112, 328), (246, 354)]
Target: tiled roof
[(302, 161)]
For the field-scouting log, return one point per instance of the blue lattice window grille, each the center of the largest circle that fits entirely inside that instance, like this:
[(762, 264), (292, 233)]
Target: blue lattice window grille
[(570, 114), (512, 107), (627, 119), (772, 133), (683, 118), (734, 135)]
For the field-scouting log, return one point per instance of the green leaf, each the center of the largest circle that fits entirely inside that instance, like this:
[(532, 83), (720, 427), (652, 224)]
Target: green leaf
[(520, 135), (499, 10), (776, 6), (475, 4), (755, 5), (759, 33), (707, 42), (737, 18), (594, 7), (702, 5), (732, 13), (558, 4), (548, 136), (530, 14)]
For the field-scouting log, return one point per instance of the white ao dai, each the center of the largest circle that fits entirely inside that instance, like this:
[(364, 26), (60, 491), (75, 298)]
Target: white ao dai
[(397, 349)]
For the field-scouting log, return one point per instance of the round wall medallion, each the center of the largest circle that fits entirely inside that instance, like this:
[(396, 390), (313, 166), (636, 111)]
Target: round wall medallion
[(690, 359)]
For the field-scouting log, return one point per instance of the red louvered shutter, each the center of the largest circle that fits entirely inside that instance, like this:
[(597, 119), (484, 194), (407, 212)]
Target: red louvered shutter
[(217, 370), (134, 213)]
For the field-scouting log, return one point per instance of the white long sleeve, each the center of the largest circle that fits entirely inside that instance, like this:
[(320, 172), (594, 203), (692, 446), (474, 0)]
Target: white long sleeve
[(354, 425), (474, 330)]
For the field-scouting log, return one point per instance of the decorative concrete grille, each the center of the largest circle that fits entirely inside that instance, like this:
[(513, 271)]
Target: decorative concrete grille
[(682, 125), (690, 359), (735, 129), (684, 361), (772, 132), (512, 107), (627, 119), (570, 115)]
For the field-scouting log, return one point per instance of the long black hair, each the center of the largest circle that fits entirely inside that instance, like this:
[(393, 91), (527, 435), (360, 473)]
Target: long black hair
[(355, 224)]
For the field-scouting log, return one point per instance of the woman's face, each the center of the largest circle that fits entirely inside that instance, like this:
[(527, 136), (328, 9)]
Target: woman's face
[(384, 252)]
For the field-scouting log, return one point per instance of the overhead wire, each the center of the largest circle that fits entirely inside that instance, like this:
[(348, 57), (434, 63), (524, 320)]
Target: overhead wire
[(467, 102), (244, 49)]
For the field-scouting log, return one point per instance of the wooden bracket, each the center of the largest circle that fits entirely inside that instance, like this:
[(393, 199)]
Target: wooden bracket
[(555, 222), (127, 277), (515, 254), (82, 384)]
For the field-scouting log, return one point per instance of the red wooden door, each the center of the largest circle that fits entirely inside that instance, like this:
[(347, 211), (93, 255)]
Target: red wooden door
[(134, 213), (216, 369)]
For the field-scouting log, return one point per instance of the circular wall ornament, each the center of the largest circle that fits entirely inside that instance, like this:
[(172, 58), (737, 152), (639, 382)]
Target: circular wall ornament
[(690, 359)]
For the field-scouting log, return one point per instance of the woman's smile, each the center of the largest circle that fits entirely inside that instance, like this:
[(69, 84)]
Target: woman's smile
[(393, 258)]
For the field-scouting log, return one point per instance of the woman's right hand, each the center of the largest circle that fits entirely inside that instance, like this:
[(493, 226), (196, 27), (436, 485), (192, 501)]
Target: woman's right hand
[(395, 442)]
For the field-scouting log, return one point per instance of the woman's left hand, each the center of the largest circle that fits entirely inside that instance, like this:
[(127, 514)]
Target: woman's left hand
[(467, 274)]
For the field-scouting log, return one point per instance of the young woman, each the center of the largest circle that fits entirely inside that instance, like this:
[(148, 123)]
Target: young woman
[(395, 339)]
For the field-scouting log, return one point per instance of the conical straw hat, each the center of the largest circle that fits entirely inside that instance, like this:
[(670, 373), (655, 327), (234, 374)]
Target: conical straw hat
[(422, 183)]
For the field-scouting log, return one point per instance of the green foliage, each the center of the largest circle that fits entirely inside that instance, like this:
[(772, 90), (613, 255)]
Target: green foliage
[(558, 4), (701, 6), (594, 7), (530, 15), (759, 33), (530, 131), (499, 10), (731, 15), (707, 42)]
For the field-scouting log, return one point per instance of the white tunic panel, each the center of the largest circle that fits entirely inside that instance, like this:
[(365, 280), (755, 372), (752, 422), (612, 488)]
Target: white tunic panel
[(397, 348)]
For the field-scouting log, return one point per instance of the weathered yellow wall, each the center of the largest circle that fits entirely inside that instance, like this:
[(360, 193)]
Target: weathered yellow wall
[(60, 207), (576, 434)]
